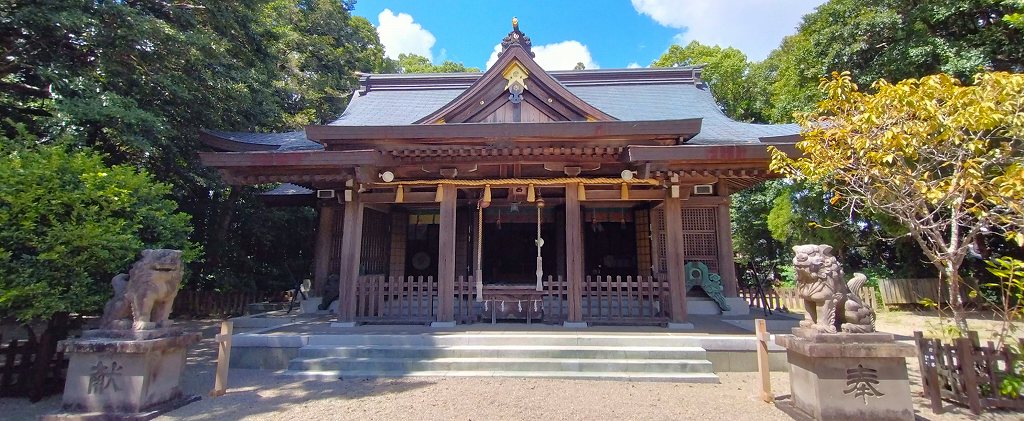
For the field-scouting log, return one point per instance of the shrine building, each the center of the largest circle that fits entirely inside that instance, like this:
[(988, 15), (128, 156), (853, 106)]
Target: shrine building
[(589, 196)]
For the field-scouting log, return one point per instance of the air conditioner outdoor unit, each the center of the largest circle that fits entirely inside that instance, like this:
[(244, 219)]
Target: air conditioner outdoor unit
[(325, 194), (703, 189)]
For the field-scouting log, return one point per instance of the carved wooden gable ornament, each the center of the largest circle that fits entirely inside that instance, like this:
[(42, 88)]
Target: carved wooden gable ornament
[(515, 89)]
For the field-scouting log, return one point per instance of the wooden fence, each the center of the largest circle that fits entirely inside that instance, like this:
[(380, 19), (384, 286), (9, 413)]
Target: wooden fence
[(787, 297), (386, 299), (912, 291), (967, 373), (556, 299), (623, 299), (24, 374), (214, 304)]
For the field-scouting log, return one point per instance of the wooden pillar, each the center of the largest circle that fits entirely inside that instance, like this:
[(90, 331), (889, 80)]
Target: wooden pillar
[(322, 253), (674, 247), (726, 265), (348, 273), (446, 256), (574, 252)]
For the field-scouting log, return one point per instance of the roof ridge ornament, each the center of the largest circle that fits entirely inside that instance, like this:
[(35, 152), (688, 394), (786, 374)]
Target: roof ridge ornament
[(517, 38)]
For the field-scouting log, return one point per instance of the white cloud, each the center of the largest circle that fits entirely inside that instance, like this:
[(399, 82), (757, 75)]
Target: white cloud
[(400, 34), (633, 65), (754, 26), (558, 56)]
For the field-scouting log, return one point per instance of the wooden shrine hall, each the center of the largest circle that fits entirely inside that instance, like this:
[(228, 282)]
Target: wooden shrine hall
[(590, 196)]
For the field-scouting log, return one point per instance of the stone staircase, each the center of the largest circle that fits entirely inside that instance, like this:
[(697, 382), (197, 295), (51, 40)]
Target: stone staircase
[(651, 357)]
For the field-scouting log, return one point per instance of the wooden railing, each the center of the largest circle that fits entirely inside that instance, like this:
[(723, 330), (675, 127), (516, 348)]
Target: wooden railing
[(966, 372), (556, 299), (465, 300), (193, 304), (31, 367), (624, 299), (788, 298), (381, 298)]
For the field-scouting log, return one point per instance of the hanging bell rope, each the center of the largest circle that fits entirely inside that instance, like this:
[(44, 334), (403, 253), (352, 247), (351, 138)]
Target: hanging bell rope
[(479, 273)]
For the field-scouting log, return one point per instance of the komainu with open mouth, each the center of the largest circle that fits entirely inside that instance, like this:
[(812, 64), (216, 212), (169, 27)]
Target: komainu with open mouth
[(147, 292), (831, 305)]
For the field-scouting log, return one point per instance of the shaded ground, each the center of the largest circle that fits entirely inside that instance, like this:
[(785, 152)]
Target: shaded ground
[(262, 395)]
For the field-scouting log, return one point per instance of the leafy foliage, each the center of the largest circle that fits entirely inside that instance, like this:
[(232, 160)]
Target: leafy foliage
[(940, 158), (68, 222), (725, 71), (137, 81), (412, 63)]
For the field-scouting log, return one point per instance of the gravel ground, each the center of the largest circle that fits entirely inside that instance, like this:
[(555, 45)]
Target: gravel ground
[(262, 395)]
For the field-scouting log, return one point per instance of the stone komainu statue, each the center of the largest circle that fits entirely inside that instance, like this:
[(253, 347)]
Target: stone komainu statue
[(146, 293), (831, 305)]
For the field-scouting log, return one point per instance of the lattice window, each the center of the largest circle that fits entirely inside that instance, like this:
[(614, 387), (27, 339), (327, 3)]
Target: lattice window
[(643, 241), (700, 219), (374, 248), (700, 236), (659, 240)]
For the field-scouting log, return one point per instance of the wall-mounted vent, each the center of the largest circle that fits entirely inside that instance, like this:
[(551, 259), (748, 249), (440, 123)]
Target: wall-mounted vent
[(325, 194), (703, 189)]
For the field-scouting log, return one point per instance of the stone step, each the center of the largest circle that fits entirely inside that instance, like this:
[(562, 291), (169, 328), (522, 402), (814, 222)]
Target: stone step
[(499, 339), (508, 351), (615, 376), (578, 365)]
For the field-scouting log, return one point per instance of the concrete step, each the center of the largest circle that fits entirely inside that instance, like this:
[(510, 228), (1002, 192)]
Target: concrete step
[(507, 351), (500, 339), (577, 365), (615, 376)]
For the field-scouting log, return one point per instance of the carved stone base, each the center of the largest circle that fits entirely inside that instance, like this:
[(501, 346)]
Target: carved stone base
[(848, 376), (117, 378)]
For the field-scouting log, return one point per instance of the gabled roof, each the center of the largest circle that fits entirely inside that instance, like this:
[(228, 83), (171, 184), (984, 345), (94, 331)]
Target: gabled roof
[(638, 95), (515, 79)]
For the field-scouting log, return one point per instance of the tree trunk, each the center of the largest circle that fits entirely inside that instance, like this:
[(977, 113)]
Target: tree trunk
[(956, 301), (223, 224)]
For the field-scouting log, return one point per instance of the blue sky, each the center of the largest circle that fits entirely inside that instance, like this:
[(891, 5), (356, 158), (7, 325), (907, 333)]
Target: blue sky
[(599, 33)]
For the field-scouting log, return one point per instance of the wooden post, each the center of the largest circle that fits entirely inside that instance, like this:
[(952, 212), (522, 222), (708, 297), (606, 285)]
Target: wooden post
[(965, 357), (348, 273), (220, 382), (674, 245), (574, 252), (322, 252), (929, 350), (446, 255), (761, 330), (726, 266)]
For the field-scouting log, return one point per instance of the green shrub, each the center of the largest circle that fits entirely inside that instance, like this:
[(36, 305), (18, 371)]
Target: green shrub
[(68, 222)]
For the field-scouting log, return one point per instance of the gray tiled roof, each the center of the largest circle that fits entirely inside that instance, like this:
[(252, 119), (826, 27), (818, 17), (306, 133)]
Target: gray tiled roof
[(288, 189), (290, 141), (628, 100)]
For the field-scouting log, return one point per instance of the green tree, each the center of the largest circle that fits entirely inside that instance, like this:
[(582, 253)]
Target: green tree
[(945, 161), (68, 222), (412, 63), (725, 70), (892, 40), (138, 80)]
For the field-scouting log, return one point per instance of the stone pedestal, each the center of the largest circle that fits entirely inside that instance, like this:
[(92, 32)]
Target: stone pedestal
[(125, 374), (848, 376)]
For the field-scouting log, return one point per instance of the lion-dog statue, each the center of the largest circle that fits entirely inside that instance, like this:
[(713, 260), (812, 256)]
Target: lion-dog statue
[(831, 305), (146, 293)]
